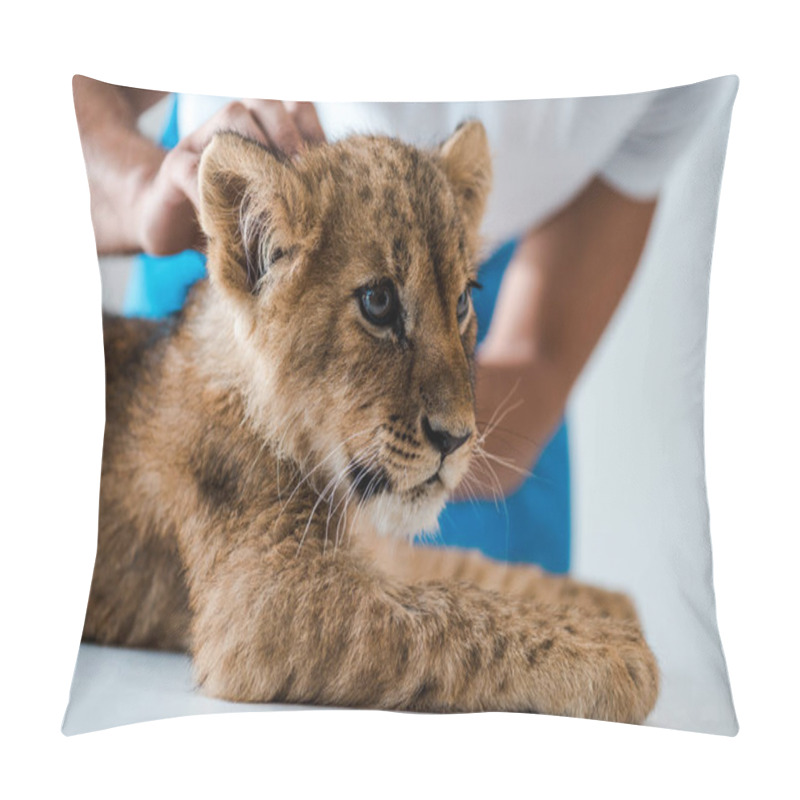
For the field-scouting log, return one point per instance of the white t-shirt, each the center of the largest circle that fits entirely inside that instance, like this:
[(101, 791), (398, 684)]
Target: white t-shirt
[(543, 151)]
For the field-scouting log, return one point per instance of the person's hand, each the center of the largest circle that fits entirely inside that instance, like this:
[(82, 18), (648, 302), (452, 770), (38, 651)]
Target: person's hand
[(168, 194)]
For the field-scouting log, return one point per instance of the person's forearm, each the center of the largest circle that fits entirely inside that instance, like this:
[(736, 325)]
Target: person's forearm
[(119, 160), (519, 405), (557, 296)]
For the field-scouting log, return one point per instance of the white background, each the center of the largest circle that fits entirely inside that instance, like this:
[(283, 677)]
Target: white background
[(52, 399)]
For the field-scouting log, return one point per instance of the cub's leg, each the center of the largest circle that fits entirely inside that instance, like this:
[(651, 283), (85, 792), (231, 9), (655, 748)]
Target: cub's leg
[(138, 596), (274, 625), (414, 563)]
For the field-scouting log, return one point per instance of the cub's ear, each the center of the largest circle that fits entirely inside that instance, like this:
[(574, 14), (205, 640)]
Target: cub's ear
[(252, 209), (466, 161)]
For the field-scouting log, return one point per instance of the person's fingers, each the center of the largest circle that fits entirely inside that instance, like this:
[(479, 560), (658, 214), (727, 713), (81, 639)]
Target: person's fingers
[(183, 167), (236, 117), (270, 122), (166, 215), (183, 161), (278, 124), (307, 121)]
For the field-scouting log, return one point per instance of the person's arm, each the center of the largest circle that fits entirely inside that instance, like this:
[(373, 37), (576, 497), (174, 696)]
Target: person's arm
[(144, 197), (557, 296), (119, 160)]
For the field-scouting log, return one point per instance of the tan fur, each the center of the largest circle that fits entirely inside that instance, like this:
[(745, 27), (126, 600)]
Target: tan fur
[(245, 437)]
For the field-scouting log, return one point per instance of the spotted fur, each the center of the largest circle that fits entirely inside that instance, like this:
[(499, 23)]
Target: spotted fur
[(259, 444)]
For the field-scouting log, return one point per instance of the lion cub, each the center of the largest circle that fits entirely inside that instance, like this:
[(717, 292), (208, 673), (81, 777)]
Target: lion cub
[(317, 391)]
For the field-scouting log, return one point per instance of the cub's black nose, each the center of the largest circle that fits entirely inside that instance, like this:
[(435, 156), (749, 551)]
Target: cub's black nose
[(444, 441)]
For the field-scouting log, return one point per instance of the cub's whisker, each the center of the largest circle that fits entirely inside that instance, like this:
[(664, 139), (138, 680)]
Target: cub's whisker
[(500, 412), (332, 485)]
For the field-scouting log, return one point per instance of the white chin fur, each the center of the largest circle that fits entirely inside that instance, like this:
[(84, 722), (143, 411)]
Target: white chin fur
[(391, 516)]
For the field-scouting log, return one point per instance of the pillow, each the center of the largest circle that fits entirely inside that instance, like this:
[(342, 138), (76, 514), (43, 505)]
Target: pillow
[(292, 399)]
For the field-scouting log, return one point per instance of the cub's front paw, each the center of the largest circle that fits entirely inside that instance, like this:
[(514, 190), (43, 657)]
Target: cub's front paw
[(607, 671), (628, 687)]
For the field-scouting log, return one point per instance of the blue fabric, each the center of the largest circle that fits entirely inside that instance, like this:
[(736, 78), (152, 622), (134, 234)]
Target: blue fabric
[(531, 526), (158, 285)]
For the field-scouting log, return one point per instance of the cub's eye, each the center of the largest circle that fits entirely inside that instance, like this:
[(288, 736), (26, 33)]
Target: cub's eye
[(462, 306), (379, 303)]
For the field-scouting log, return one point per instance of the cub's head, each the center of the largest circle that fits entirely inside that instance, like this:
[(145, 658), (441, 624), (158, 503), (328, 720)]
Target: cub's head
[(346, 275)]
